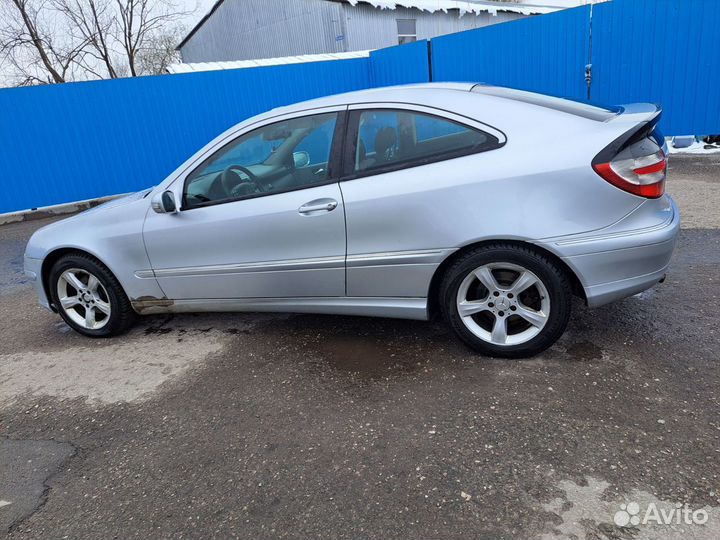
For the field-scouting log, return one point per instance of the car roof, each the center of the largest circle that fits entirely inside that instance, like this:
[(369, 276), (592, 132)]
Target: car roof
[(508, 112), (386, 93), (443, 95)]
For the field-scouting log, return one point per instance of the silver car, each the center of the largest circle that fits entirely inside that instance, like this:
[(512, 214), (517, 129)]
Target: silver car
[(486, 205)]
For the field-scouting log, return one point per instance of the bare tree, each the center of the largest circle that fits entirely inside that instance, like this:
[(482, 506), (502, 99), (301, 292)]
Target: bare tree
[(95, 22), (53, 41), (28, 44), (159, 51), (140, 22)]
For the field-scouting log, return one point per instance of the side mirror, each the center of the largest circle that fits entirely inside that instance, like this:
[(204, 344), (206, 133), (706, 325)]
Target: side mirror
[(301, 159), (164, 203)]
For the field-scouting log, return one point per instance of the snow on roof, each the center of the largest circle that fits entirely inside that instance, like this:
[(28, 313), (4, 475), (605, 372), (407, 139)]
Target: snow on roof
[(240, 64), (464, 6)]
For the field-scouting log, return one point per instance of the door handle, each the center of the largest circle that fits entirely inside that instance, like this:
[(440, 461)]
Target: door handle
[(318, 206)]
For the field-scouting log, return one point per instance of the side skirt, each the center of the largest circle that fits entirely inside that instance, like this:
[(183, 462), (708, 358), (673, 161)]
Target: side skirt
[(399, 308)]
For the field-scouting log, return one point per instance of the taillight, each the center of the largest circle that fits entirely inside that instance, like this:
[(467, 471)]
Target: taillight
[(643, 176)]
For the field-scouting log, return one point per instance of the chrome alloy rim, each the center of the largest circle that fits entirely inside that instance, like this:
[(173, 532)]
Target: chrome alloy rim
[(83, 298), (503, 303)]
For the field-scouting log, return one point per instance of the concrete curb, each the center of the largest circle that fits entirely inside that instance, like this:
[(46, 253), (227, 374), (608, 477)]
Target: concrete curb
[(55, 210)]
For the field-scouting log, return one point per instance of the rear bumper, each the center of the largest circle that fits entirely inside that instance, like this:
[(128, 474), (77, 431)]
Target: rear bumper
[(639, 268), (33, 271), (624, 263)]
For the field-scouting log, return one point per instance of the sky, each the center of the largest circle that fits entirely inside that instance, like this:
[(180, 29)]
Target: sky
[(198, 8)]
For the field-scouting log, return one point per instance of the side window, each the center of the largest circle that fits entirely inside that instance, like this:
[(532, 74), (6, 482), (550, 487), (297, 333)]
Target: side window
[(317, 144), (394, 138), (286, 155)]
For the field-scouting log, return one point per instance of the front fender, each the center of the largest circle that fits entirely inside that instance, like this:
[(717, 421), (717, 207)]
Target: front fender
[(113, 235)]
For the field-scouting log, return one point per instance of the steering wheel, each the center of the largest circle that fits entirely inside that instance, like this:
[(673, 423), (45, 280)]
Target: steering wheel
[(235, 185)]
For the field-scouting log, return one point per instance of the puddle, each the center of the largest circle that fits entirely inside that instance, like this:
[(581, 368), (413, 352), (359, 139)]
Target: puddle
[(584, 351), (366, 348), (364, 356)]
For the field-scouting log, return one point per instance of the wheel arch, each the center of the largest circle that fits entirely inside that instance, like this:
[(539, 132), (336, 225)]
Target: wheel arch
[(435, 282), (54, 256)]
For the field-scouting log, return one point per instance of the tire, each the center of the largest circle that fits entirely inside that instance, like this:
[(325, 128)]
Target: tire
[(533, 312), (112, 313)]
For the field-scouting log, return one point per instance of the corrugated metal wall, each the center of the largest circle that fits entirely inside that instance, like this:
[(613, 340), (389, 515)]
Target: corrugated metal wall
[(544, 54), (63, 143), (661, 51), (400, 65), (250, 29), (371, 28), (75, 141)]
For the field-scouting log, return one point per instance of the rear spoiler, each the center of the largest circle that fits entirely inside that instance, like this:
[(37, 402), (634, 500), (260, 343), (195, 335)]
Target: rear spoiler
[(644, 118), (637, 112)]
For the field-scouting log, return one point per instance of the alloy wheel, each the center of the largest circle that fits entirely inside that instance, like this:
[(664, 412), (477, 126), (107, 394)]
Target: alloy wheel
[(83, 298), (503, 303)]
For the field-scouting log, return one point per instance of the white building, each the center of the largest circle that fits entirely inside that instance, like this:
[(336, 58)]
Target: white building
[(560, 4), (256, 29)]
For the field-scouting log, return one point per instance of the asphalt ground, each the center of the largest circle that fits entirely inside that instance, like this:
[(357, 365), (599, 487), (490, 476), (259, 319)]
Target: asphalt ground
[(303, 426)]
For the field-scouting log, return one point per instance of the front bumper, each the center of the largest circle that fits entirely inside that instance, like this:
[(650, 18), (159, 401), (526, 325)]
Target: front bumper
[(624, 263), (33, 271)]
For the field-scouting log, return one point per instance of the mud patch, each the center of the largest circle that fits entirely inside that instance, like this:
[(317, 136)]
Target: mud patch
[(365, 357), (365, 348), (584, 351), (152, 330)]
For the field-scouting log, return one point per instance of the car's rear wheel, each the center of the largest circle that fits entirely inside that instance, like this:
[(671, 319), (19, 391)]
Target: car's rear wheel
[(88, 296), (505, 300)]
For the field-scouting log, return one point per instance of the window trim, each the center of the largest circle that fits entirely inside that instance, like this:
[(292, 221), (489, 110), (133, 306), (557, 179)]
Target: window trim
[(334, 161), (353, 128)]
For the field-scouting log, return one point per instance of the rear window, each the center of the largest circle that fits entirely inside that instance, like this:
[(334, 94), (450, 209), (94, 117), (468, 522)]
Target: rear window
[(577, 108)]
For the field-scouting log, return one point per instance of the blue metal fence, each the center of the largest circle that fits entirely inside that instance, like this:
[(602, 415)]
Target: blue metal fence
[(662, 51), (77, 141), (544, 54), (400, 65), (659, 51)]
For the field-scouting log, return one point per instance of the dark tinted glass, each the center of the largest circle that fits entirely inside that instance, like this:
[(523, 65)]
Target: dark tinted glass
[(388, 138), (287, 155)]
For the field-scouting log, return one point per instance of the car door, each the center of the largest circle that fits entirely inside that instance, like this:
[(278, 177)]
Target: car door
[(401, 170), (261, 217)]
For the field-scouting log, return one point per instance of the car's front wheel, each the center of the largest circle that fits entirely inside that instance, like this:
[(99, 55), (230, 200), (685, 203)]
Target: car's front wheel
[(88, 296), (506, 300)]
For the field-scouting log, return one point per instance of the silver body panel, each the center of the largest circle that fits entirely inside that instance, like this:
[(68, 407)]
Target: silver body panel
[(378, 250), (399, 308), (257, 248)]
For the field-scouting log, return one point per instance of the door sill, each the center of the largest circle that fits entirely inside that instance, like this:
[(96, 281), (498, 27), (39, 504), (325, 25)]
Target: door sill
[(400, 308)]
